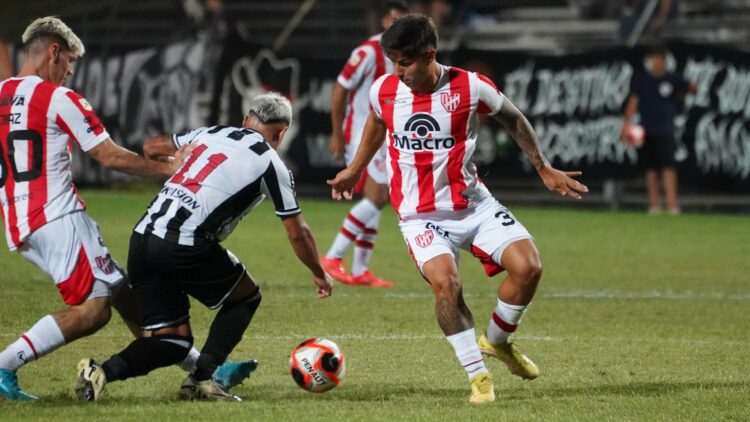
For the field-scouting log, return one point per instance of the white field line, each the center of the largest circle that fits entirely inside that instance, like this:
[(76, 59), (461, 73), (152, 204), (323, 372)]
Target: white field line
[(436, 337), (668, 295), (571, 294)]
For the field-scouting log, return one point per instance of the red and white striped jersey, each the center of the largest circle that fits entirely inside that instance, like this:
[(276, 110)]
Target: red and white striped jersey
[(366, 64), (431, 139), (38, 122)]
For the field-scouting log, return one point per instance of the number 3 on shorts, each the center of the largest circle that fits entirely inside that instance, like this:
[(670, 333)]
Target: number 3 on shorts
[(507, 219)]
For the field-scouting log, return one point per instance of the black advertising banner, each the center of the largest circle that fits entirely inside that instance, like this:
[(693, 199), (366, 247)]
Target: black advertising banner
[(575, 105), (573, 101), (140, 94), (308, 84)]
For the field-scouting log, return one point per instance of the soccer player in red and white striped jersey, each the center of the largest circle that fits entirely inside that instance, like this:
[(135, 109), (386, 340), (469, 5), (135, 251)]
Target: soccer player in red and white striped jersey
[(350, 107), (45, 220), (430, 114)]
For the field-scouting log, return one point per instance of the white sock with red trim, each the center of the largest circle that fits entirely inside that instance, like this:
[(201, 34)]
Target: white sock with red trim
[(504, 321), (353, 225), (364, 245), (44, 337), (467, 352)]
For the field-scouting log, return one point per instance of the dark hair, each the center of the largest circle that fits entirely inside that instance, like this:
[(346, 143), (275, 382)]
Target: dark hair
[(388, 6), (410, 35), (657, 50)]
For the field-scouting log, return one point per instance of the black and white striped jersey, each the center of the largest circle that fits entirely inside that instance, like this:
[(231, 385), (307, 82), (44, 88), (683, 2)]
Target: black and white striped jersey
[(230, 171)]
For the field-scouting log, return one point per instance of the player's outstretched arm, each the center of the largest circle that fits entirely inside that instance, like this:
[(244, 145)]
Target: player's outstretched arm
[(160, 148), (303, 242), (373, 136), (521, 131), (115, 157)]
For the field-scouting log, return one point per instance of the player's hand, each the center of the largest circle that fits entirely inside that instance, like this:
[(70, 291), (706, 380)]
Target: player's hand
[(624, 133), (562, 182), (343, 184), (336, 146), (325, 285), (181, 155)]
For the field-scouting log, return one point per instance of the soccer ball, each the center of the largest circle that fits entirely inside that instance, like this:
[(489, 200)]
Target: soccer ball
[(317, 365), (635, 135)]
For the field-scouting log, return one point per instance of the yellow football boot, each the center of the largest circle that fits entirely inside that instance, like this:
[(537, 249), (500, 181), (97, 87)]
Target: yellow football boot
[(482, 389), (518, 364), (91, 381)]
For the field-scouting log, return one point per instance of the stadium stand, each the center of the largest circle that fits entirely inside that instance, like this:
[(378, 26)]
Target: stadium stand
[(332, 26)]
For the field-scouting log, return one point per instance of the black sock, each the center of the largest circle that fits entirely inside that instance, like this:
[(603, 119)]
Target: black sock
[(146, 354), (226, 331)]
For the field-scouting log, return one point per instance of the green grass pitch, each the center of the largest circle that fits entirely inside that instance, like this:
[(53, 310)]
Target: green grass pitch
[(636, 318)]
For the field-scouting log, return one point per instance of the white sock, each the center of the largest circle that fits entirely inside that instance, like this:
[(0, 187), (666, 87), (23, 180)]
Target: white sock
[(44, 337), (467, 352), (364, 245), (353, 226), (188, 365), (504, 321)]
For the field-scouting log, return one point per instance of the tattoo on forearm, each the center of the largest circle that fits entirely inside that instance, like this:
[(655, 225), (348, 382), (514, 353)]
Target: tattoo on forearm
[(453, 317), (524, 135), (521, 131)]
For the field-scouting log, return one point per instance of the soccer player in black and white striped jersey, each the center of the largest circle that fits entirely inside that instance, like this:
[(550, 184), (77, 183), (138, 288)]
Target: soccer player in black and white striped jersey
[(175, 249)]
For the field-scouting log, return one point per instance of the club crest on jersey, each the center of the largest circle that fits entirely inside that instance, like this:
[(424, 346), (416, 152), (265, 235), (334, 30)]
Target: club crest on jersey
[(379, 164), (105, 264), (450, 102), (425, 239), (354, 60)]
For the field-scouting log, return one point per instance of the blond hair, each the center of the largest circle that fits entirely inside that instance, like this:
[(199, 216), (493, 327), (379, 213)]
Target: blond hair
[(52, 27), (271, 107)]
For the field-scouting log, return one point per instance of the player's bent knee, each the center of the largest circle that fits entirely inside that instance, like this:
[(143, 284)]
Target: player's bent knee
[(376, 193), (530, 272), (382, 198), (446, 285)]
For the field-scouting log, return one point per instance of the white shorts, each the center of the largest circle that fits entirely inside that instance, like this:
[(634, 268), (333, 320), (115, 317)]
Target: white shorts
[(376, 169), (485, 231), (71, 251)]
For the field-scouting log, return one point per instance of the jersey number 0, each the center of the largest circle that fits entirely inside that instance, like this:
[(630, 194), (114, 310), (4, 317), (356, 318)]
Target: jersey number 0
[(36, 152)]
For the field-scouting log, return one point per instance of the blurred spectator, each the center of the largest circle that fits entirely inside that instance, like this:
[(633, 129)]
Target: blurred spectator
[(442, 12), (226, 36), (6, 63), (439, 11), (657, 95), (665, 10), (600, 9)]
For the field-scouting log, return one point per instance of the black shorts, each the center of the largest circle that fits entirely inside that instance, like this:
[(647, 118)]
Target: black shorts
[(658, 152), (163, 274)]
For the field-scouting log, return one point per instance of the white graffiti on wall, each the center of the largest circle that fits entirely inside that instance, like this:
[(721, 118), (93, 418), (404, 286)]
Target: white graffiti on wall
[(597, 91), (144, 98), (734, 92), (702, 73), (721, 138), (723, 145), (588, 142), (721, 107), (593, 90), (141, 94), (247, 80)]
